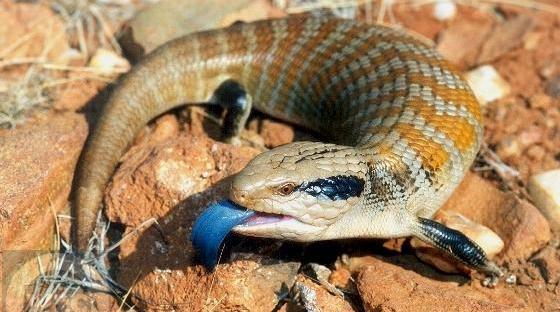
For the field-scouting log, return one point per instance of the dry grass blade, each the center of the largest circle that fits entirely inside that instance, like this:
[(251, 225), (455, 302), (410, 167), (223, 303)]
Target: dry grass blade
[(21, 96), (528, 4), (305, 6), (88, 21), (144, 224), (510, 177), (69, 274)]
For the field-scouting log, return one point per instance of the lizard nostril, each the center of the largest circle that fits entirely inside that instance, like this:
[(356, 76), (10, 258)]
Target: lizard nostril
[(238, 196)]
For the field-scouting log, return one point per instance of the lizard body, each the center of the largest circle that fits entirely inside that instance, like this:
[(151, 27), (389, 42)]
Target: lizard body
[(404, 126)]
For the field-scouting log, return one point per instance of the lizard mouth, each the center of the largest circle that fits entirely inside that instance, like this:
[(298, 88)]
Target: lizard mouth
[(261, 218)]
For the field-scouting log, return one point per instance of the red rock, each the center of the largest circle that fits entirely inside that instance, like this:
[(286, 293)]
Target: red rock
[(530, 136), (172, 176), (166, 176), (254, 10), (37, 161), (384, 286), (340, 278), (273, 133), (166, 20), (540, 100), (437, 258), (553, 87), (532, 40), (314, 297), (90, 301), (550, 68), (75, 95), (419, 19), (505, 37), (536, 153), (39, 23), (239, 286), (461, 42), (548, 261), (518, 223), (508, 147), (161, 172)]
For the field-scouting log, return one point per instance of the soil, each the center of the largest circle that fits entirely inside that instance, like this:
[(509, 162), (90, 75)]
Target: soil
[(523, 129)]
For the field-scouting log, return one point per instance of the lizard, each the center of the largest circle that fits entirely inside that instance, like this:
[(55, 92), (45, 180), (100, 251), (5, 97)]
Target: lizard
[(403, 128)]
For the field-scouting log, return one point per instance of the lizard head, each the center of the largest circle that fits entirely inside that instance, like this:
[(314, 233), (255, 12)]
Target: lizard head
[(299, 190)]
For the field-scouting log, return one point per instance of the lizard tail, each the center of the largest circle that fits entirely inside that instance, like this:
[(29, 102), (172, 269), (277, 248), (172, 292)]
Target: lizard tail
[(165, 79)]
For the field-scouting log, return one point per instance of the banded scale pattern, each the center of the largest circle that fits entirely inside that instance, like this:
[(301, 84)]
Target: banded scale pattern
[(378, 93)]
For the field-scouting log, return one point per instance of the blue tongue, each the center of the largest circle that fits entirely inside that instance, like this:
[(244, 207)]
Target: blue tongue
[(212, 226)]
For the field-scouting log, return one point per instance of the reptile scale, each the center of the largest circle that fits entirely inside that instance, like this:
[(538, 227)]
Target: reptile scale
[(404, 128)]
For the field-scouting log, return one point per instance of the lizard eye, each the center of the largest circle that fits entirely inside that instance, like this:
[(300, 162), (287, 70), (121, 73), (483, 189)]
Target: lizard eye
[(286, 189)]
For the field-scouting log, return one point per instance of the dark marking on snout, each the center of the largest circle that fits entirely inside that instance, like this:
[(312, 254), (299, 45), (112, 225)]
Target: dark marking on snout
[(321, 153), (334, 188)]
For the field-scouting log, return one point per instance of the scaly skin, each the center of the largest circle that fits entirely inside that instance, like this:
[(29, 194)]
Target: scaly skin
[(407, 124)]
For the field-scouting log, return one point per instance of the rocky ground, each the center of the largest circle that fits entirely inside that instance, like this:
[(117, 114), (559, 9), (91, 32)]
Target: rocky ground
[(57, 61)]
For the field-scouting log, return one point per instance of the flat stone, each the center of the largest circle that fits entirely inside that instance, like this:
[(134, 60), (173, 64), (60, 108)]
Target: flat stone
[(489, 241), (518, 223), (38, 159), (505, 37), (169, 168), (170, 19), (384, 286), (460, 43), (237, 286), (544, 189)]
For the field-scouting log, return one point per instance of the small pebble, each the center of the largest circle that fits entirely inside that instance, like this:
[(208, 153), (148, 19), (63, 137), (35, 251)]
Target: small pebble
[(536, 152), (512, 279), (4, 86), (532, 40), (553, 87), (308, 297), (445, 10), (540, 100), (487, 84), (340, 278), (508, 147), (107, 62), (489, 241), (545, 193)]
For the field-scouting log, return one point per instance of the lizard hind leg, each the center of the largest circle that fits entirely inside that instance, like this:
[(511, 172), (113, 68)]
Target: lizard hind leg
[(233, 97), (456, 244)]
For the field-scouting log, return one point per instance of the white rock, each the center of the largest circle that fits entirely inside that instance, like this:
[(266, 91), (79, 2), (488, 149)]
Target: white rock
[(487, 84), (70, 56), (4, 86), (544, 189), (107, 62), (489, 241), (445, 10)]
